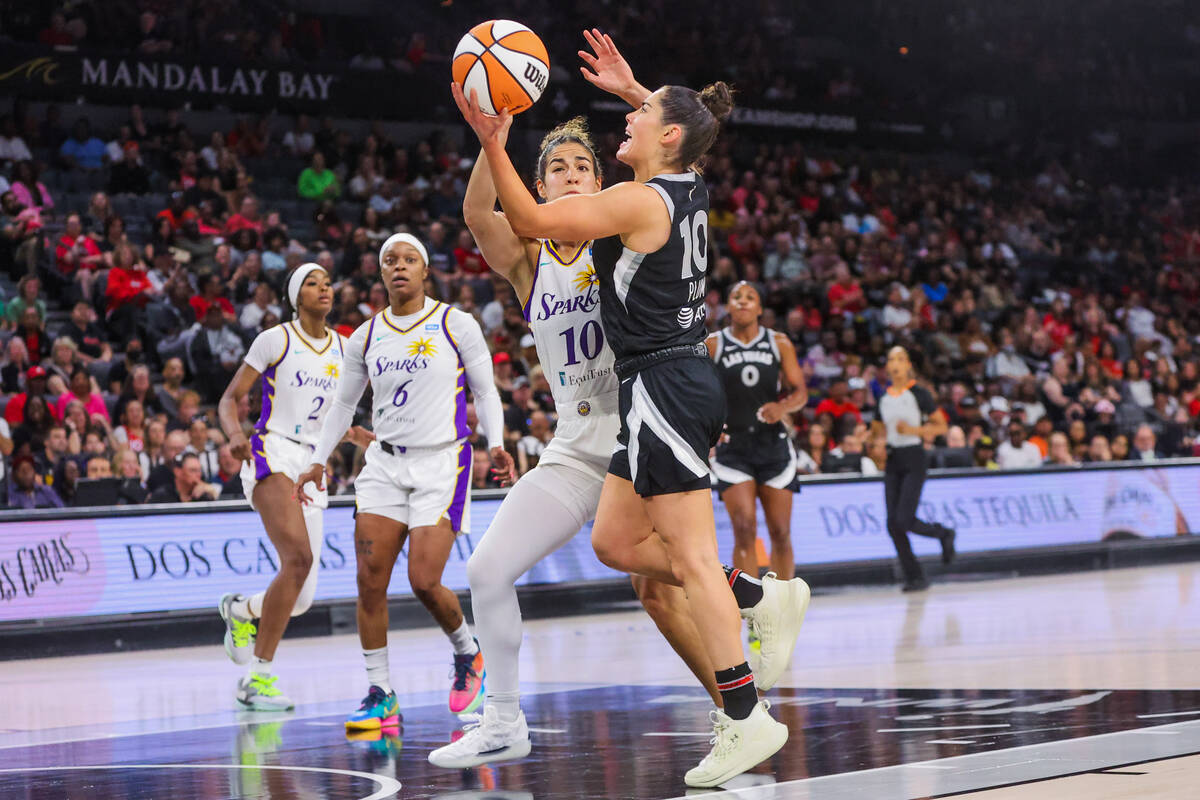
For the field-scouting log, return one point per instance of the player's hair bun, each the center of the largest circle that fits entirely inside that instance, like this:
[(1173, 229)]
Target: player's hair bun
[(718, 99)]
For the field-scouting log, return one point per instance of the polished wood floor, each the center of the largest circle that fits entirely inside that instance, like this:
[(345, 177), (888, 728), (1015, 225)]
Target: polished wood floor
[(970, 686)]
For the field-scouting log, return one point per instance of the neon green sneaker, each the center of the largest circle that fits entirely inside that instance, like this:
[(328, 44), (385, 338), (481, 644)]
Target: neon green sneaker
[(259, 693), (239, 632)]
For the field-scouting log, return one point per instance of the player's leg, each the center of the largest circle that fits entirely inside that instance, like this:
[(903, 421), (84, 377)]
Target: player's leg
[(284, 522), (623, 535), (377, 543), (429, 548), (777, 508), (551, 495), (668, 606), (739, 501)]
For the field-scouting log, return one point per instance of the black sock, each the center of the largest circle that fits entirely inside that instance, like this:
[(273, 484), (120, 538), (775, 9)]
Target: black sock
[(747, 590), (738, 694)]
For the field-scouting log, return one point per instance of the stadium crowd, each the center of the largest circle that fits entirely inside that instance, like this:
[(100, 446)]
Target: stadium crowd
[(1052, 314)]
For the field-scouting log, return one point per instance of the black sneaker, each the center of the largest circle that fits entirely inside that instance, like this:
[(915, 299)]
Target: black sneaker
[(948, 551), (917, 585)]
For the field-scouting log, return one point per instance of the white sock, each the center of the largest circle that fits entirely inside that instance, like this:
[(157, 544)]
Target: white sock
[(259, 666), (507, 704), (378, 673), (463, 642), (241, 609)]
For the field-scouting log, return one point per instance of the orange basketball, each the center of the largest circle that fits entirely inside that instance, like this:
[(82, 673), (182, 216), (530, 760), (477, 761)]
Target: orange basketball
[(505, 63)]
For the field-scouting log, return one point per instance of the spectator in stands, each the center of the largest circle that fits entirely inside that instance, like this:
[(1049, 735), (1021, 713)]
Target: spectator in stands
[(215, 352), (481, 471), (132, 489), (201, 443), (64, 358), (985, 453), (263, 303), (138, 386), (89, 338), (811, 454), (28, 296), (131, 433), (127, 293), (12, 147), (318, 182), (20, 236), (516, 416), (247, 217), (837, 405), (784, 265), (299, 141), (531, 446), (1060, 451), (130, 175), (1098, 450), (229, 475), (29, 191), (1145, 445), (1017, 453), (14, 366), (56, 446), (82, 388), (35, 386), (23, 490), (187, 484), (83, 151), (77, 256), (32, 331), (211, 295)]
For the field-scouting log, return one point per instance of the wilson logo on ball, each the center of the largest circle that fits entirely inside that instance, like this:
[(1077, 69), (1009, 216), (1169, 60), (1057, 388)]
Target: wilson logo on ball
[(505, 63)]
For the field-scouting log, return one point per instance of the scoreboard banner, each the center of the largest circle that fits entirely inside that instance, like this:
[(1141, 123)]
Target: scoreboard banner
[(127, 564)]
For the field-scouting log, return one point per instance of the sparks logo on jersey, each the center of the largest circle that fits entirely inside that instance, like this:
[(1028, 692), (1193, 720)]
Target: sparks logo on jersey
[(585, 279), (326, 382), (331, 370), (553, 305), (422, 347)]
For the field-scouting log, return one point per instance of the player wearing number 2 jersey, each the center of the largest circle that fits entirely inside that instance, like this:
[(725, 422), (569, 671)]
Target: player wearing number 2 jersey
[(420, 356), (298, 365), (561, 301), (655, 516)]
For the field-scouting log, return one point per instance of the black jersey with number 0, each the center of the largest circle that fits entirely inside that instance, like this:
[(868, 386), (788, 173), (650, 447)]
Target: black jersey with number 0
[(750, 373), (649, 301)]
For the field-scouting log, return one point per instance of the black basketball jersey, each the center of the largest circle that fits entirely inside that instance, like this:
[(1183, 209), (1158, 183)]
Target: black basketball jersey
[(751, 374), (649, 301)]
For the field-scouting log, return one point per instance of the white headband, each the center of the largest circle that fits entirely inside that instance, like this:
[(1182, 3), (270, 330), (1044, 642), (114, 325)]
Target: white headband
[(407, 238), (297, 280)]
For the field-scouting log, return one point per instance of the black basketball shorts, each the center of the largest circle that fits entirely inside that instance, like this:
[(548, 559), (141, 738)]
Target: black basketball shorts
[(672, 413), (767, 459)]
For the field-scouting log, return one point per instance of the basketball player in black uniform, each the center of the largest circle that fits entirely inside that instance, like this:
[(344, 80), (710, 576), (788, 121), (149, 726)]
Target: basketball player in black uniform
[(756, 459), (655, 516)]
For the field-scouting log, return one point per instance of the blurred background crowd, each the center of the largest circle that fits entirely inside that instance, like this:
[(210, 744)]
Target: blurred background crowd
[(1046, 285)]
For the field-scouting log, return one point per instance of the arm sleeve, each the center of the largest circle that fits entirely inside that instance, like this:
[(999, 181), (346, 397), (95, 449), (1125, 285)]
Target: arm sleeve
[(266, 349), (477, 361), (350, 389), (924, 401)]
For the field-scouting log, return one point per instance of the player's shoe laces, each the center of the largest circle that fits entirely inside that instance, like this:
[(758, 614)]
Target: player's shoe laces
[(485, 740), (776, 620), (239, 632), (466, 691), (737, 745), (379, 709), (259, 693)]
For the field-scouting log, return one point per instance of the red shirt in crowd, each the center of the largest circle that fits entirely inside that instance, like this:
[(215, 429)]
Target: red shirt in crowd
[(200, 305), (847, 298), (65, 244), (838, 410), (126, 286), (470, 261), (177, 220), (237, 222)]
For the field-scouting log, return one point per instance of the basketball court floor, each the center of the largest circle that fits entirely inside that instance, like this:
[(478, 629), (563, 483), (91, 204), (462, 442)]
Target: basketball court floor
[(1083, 685)]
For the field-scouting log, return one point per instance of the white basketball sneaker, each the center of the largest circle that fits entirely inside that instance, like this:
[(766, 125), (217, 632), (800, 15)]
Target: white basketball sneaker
[(738, 745), (487, 740), (259, 693), (239, 632), (776, 620)]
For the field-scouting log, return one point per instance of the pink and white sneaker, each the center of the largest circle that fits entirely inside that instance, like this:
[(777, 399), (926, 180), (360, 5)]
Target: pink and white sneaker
[(466, 692)]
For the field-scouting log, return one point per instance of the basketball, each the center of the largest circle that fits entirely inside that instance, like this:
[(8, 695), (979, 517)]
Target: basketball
[(505, 63)]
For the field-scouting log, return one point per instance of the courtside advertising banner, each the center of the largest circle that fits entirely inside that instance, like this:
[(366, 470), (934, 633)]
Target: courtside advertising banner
[(53, 568)]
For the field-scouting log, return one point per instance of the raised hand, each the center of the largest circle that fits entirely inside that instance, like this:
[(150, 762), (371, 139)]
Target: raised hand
[(490, 129), (609, 69)]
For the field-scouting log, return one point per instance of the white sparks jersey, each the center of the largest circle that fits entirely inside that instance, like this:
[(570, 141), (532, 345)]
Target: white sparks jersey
[(416, 372), (563, 312), (299, 380)]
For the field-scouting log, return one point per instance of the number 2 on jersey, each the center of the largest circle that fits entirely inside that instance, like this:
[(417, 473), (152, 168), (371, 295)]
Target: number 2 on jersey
[(318, 402), (589, 345)]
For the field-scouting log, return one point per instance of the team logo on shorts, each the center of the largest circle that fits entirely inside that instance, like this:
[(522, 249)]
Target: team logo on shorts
[(584, 408)]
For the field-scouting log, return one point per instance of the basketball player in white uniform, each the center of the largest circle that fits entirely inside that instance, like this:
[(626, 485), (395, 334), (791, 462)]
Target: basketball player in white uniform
[(557, 284), (419, 355), (298, 364)]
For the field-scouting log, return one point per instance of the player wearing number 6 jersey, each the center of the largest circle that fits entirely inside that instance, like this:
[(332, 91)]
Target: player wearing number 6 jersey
[(419, 356), (557, 283), (298, 364), (655, 515)]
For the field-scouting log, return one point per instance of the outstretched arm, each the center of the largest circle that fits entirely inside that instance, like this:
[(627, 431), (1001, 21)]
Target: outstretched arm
[(632, 211), (610, 71)]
